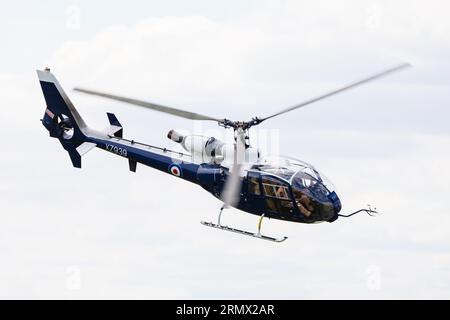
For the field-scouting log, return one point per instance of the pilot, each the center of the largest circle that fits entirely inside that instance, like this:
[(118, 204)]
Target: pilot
[(304, 204)]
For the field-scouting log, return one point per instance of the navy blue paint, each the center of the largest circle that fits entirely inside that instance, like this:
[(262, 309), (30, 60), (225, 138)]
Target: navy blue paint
[(57, 105), (151, 159)]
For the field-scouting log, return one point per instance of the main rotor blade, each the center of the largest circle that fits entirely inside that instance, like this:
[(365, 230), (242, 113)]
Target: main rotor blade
[(231, 192), (352, 85), (149, 105)]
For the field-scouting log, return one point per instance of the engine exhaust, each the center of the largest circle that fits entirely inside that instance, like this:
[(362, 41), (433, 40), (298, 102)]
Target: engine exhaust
[(175, 136)]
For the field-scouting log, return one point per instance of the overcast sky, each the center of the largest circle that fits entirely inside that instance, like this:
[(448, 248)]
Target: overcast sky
[(104, 232)]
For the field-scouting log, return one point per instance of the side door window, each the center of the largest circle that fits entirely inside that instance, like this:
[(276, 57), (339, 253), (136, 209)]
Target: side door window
[(277, 195)]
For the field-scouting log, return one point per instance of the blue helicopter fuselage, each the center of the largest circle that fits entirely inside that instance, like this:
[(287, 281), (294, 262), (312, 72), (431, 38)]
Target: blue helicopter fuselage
[(262, 191)]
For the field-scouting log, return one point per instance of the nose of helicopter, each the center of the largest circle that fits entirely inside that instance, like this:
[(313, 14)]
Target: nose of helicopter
[(337, 206), (335, 201), (332, 196)]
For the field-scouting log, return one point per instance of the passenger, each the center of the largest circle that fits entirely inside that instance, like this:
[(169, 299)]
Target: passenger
[(285, 204), (281, 193)]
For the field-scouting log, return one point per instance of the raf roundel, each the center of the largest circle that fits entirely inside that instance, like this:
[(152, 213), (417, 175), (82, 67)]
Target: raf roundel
[(175, 170)]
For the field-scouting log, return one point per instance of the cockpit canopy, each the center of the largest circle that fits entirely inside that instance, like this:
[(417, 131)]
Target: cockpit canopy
[(293, 171), (313, 194)]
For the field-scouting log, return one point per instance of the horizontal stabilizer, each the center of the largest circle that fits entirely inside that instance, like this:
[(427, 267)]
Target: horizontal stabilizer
[(85, 147), (114, 131)]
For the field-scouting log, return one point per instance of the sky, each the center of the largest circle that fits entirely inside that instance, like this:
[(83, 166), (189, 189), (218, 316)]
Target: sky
[(104, 232)]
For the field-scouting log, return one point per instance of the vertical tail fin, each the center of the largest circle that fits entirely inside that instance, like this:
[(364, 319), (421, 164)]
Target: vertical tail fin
[(61, 118), (115, 127)]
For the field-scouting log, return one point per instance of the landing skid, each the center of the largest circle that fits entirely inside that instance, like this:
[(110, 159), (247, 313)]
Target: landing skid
[(257, 235)]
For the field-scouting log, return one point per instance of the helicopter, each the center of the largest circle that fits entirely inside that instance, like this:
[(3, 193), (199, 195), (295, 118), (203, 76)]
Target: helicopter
[(238, 174)]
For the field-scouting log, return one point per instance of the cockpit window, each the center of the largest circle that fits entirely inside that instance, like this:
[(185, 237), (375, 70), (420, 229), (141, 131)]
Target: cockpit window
[(310, 190), (311, 197), (277, 194), (304, 180), (284, 173), (285, 168), (273, 188)]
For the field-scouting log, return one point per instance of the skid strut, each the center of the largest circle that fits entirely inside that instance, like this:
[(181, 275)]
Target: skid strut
[(257, 235)]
